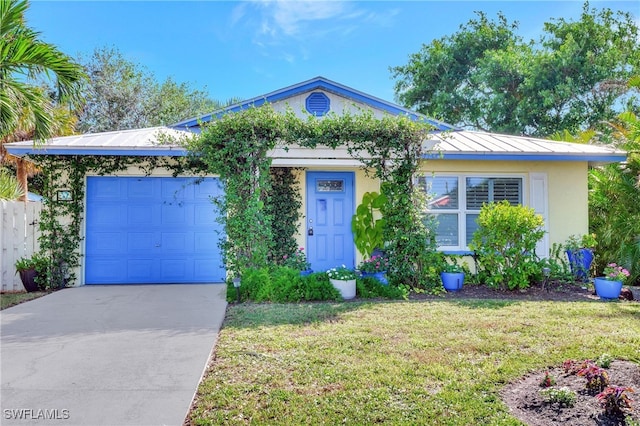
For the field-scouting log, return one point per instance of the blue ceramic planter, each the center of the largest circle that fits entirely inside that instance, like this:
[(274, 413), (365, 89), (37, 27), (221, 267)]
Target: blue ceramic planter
[(452, 281), (306, 272), (580, 262), (380, 276), (606, 289)]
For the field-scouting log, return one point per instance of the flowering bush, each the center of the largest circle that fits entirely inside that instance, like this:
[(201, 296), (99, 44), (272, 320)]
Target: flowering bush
[(613, 272), (374, 264), (298, 260), (341, 273)]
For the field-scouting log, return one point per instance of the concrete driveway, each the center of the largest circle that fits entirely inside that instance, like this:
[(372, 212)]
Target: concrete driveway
[(107, 355)]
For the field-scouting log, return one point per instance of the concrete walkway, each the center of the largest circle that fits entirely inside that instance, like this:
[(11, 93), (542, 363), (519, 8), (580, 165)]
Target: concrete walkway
[(107, 355)]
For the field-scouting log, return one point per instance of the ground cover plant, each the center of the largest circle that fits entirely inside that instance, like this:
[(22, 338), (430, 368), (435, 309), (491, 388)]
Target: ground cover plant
[(430, 361), (11, 299)]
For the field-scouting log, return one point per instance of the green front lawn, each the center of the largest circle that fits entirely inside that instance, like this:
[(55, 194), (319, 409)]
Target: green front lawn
[(10, 299), (415, 362)]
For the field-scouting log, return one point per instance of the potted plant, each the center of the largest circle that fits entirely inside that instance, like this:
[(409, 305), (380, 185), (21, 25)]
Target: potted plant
[(344, 280), (610, 285), (29, 269), (376, 266), (579, 251), (452, 277), (298, 260)]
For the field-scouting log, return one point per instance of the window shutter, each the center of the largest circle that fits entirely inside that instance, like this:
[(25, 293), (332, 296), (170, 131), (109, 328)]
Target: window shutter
[(538, 201)]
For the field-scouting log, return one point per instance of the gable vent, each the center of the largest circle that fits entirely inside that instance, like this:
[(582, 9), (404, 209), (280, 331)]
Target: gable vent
[(318, 104)]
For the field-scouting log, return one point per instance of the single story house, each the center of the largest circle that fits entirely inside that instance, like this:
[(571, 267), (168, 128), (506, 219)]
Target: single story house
[(159, 229)]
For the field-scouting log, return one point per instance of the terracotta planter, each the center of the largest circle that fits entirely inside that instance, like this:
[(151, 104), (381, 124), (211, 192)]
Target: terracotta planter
[(346, 288), (28, 278)]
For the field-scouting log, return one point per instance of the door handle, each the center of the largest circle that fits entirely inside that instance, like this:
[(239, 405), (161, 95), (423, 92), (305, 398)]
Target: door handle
[(310, 231)]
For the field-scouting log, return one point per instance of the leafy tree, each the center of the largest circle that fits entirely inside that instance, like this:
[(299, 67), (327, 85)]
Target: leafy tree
[(614, 201), (27, 109), (122, 94), (485, 76)]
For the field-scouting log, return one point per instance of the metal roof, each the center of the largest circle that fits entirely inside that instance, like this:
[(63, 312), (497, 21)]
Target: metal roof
[(152, 141), (471, 145), (456, 145)]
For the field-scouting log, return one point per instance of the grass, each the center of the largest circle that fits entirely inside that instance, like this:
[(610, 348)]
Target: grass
[(10, 299), (414, 362)]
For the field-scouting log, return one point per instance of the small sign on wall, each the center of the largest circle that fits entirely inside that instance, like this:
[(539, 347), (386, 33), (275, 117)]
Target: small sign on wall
[(64, 195)]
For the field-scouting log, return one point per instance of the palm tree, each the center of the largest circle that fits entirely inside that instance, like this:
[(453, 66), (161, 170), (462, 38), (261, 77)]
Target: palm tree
[(614, 199), (26, 108)]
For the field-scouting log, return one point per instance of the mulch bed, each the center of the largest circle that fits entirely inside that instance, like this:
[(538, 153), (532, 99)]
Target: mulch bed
[(553, 291), (527, 404), (523, 396)]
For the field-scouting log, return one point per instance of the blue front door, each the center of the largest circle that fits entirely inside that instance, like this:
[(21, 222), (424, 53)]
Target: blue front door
[(328, 223)]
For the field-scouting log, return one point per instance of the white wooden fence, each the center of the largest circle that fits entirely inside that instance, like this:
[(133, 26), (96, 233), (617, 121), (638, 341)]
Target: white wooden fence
[(19, 233)]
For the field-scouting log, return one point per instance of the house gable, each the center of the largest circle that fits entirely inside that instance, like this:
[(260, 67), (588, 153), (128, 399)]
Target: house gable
[(340, 99)]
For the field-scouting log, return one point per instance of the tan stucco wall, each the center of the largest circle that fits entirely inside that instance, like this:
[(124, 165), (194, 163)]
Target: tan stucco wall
[(566, 185)]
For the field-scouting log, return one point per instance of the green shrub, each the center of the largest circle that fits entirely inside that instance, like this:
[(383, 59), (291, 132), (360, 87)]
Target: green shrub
[(369, 287), (505, 243), (282, 285)]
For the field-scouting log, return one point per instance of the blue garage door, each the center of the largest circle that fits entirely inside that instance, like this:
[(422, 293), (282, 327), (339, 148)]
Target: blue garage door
[(152, 230)]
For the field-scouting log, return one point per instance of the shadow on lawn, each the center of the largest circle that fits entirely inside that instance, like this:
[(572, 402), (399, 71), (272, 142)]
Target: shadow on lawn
[(250, 315)]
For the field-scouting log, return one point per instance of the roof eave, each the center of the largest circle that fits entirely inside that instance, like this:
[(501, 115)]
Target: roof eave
[(132, 152), (591, 158)]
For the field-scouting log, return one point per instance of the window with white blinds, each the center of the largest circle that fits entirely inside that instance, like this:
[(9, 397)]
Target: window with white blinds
[(456, 202)]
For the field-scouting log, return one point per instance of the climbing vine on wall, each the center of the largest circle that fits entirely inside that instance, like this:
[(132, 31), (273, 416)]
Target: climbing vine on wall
[(283, 202), (235, 147), (391, 150)]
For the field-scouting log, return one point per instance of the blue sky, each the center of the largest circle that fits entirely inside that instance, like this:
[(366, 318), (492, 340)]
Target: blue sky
[(249, 48)]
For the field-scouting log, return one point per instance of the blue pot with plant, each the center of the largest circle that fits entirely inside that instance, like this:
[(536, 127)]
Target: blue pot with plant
[(579, 251), (375, 267), (298, 260), (452, 277), (610, 285)]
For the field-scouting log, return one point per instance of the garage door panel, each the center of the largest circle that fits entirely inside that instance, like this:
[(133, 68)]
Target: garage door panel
[(108, 215), (109, 270), (106, 188), (175, 269), (139, 242), (140, 214), (146, 235), (206, 268), (207, 189), (107, 242), (175, 214), (140, 189), (206, 242), (177, 242), (176, 190), (140, 270)]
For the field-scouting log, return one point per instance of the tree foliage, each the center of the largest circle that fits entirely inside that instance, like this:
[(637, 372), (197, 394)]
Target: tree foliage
[(122, 94), (24, 58), (486, 76), (614, 201)]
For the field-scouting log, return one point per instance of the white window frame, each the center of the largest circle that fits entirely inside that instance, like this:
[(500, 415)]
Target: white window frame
[(462, 211)]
